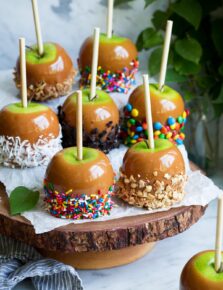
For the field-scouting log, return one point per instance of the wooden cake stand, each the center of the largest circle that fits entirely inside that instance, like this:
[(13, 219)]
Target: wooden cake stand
[(98, 245)]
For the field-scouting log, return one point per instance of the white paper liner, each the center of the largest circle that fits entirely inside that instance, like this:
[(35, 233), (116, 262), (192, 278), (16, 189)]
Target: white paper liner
[(17, 153), (200, 191)]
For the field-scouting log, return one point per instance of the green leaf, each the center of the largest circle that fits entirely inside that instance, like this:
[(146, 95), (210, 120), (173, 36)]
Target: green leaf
[(148, 2), (151, 38), (22, 199), (219, 99), (159, 19), (155, 61), (217, 32), (185, 67), (189, 48), (173, 76), (120, 2), (220, 69), (190, 10), (139, 42)]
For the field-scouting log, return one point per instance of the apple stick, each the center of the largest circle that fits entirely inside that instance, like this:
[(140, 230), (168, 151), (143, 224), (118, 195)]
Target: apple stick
[(79, 126), (165, 55), (94, 66), (219, 232), (110, 18), (148, 111), (23, 84), (37, 27)]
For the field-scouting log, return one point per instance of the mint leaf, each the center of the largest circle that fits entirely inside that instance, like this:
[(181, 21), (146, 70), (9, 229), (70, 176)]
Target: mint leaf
[(189, 48), (148, 2), (155, 61), (22, 199), (151, 38), (190, 10)]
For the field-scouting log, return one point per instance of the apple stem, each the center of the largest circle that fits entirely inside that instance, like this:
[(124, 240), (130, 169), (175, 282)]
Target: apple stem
[(23, 90), (110, 18), (79, 126), (94, 66), (165, 55), (148, 111), (219, 232), (37, 27)]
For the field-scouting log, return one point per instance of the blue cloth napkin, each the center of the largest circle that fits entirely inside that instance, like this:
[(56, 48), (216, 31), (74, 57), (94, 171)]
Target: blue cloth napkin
[(19, 261)]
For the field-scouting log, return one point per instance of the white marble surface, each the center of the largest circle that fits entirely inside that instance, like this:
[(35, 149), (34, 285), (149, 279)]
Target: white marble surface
[(158, 270), (68, 22)]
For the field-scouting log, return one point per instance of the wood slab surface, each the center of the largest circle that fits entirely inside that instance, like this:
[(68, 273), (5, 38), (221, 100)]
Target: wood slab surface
[(100, 236)]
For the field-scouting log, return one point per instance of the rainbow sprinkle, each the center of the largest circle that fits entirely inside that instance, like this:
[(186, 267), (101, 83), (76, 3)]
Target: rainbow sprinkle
[(67, 205), (120, 81), (134, 131)]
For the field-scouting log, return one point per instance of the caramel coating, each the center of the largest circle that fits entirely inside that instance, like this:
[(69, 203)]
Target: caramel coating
[(191, 279), (53, 72), (161, 107), (112, 56), (95, 115), (144, 164), (82, 177), (29, 126)]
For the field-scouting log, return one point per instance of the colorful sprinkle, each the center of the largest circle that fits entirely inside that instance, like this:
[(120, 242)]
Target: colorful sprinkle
[(67, 205), (120, 81)]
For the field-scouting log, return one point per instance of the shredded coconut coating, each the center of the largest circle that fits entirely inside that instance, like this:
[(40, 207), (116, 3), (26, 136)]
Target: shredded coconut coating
[(42, 91), (17, 153)]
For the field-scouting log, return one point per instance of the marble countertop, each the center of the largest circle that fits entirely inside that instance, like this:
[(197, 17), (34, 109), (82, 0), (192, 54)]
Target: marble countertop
[(158, 270)]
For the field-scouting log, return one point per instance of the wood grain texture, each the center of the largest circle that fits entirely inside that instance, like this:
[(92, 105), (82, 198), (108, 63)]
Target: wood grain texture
[(100, 236)]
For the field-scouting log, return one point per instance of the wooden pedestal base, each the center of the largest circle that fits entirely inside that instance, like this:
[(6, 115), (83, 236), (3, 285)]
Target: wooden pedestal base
[(100, 260)]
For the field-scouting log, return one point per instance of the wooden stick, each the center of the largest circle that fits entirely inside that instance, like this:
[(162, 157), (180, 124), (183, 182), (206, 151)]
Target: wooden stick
[(37, 27), (148, 111), (219, 232), (79, 126), (165, 55), (94, 66), (23, 84), (110, 18)]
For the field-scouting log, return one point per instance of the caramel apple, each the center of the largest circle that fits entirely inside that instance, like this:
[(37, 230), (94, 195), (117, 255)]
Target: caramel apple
[(79, 189), (100, 119), (168, 114), (199, 273), (28, 136), (117, 63), (48, 76), (152, 178)]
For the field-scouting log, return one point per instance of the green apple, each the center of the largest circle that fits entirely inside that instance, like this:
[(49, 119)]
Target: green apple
[(70, 155), (199, 273), (50, 54), (166, 103), (160, 145), (101, 99), (114, 39), (17, 108)]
